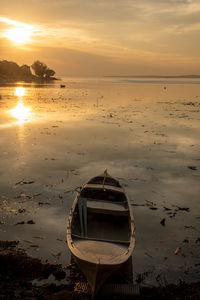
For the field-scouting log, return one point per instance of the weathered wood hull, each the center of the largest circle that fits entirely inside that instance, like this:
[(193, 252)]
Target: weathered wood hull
[(98, 257), (96, 274)]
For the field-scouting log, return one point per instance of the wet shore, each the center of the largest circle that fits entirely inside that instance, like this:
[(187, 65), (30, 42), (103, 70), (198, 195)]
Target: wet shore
[(24, 277)]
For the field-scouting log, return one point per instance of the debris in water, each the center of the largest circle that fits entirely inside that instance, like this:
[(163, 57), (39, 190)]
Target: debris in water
[(24, 182), (185, 241), (166, 208), (23, 222), (21, 210), (181, 208), (149, 203), (153, 208), (189, 103), (20, 223), (192, 168), (162, 222), (22, 195), (30, 222), (189, 227), (177, 250)]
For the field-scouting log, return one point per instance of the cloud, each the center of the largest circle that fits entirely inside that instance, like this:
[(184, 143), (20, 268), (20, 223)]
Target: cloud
[(89, 11), (120, 30)]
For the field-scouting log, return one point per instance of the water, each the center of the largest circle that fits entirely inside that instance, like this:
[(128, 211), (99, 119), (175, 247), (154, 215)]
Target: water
[(145, 132)]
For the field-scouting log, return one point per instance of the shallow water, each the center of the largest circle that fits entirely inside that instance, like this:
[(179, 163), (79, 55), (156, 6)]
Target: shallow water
[(146, 133)]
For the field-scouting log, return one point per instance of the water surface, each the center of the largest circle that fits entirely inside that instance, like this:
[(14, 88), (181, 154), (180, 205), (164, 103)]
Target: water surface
[(145, 132)]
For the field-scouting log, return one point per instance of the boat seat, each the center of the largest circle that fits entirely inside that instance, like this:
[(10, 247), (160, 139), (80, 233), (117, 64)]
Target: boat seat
[(99, 240), (106, 207)]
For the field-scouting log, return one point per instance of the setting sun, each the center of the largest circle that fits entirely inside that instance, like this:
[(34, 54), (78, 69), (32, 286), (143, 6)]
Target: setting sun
[(18, 35)]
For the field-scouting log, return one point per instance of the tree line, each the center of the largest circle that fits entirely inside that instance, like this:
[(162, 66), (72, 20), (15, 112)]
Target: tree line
[(12, 72)]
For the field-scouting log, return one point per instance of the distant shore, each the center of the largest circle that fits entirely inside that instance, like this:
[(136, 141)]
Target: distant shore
[(156, 76), (5, 80)]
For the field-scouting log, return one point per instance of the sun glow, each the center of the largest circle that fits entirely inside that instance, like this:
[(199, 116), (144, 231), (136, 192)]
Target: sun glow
[(21, 113), (19, 35)]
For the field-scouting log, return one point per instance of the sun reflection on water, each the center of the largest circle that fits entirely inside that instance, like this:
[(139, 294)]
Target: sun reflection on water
[(21, 113), (19, 91)]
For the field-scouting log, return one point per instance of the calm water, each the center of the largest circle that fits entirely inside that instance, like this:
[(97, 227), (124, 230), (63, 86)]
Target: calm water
[(145, 132)]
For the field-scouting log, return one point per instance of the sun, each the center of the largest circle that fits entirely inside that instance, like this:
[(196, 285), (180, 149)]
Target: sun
[(19, 35)]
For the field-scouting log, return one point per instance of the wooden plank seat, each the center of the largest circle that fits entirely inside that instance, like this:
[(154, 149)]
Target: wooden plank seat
[(100, 240), (107, 207)]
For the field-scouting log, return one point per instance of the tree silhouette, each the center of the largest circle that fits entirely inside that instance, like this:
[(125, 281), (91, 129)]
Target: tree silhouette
[(12, 72), (49, 73), (39, 68)]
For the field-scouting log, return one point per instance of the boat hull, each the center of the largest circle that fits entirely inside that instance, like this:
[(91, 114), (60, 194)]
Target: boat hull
[(96, 274), (102, 239)]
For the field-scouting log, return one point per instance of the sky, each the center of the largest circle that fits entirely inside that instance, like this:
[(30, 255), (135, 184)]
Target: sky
[(103, 37)]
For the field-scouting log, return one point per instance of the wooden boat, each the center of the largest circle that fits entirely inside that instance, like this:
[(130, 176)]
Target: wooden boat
[(100, 229)]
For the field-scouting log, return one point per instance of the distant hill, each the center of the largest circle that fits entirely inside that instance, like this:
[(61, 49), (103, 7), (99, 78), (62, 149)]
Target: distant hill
[(12, 72)]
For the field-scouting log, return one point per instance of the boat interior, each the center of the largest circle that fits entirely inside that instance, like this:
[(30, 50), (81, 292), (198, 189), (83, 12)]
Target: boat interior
[(104, 195), (103, 215)]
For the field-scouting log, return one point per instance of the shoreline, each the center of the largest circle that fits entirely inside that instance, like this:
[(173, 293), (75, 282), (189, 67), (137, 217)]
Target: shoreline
[(35, 80), (25, 277)]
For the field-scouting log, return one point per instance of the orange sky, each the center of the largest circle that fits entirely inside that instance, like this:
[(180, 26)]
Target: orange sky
[(101, 37)]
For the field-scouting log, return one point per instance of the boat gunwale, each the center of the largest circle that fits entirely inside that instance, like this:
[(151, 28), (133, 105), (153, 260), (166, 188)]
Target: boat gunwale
[(103, 187), (100, 240)]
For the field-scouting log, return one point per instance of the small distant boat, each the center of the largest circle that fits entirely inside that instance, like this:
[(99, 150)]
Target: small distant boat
[(62, 85), (100, 229)]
